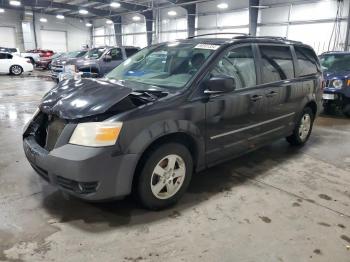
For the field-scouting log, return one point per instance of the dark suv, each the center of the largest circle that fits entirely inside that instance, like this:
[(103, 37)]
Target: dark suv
[(336, 72), (102, 60), (171, 110)]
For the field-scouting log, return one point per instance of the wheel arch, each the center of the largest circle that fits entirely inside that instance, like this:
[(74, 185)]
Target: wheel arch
[(313, 105), (179, 131)]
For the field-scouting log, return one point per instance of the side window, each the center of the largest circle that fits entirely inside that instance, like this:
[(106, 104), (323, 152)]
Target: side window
[(3, 56), (116, 54), (277, 63), (307, 61), (9, 56), (239, 64), (130, 51)]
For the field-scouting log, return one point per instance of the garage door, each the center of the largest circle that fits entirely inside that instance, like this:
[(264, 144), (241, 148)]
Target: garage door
[(10, 39), (54, 40)]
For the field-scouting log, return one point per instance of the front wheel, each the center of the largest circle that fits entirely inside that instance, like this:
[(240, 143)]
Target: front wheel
[(346, 109), (303, 128), (16, 70), (165, 176)]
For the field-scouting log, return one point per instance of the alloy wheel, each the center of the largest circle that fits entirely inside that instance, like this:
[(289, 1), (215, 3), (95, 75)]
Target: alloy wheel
[(168, 176), (305, 126), (16, 70)]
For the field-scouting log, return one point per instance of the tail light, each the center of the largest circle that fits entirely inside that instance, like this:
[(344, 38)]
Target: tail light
[(348, 82)]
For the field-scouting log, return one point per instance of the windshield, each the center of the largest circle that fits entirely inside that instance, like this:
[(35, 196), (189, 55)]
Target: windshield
[(169, 65), (96, 53), (335, 62)]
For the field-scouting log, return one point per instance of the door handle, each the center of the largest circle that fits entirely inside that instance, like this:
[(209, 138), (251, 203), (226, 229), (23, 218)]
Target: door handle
[(255, 98), (271, 94), (210, 92)]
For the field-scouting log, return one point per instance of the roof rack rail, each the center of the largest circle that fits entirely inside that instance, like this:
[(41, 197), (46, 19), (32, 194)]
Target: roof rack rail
[(268, 37), (241, 34)]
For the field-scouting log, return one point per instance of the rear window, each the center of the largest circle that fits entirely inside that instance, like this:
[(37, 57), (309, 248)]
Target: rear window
[(131, 51), (13, 50), (277, 63), (307, 60)]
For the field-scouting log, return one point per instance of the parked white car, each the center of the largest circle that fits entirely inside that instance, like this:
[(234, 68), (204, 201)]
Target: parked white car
[(14, 51), (13, 64)]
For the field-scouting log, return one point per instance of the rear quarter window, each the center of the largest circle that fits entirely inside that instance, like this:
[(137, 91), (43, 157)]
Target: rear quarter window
[(307, 61)]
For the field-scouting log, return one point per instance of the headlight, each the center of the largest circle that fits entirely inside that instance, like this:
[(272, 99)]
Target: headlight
[(338, 84), (96, 134)]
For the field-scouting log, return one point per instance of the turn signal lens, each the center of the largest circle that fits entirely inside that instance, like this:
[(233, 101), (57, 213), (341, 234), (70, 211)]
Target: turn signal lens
[(96, 134), (107, 133), (348, 83)]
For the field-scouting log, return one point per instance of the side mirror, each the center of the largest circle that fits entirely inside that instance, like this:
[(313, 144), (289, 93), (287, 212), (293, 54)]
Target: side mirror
[(219, 84), (107, 58)]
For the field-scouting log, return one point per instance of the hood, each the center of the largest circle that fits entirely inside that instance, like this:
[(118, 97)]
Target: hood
[(85, 61), (329, 74), (73, 99)]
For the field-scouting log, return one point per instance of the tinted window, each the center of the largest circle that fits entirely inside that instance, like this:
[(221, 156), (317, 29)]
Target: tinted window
[(131, 51), (3, 56), (116, 54), (307, 61), (13, 50), (9, 56), (277, 63), (96, 53), (239, 64)]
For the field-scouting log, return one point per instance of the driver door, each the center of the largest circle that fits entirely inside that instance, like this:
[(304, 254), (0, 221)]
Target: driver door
[(232, 119)]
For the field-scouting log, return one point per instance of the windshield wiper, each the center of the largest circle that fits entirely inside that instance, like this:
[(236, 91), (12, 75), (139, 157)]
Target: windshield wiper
[(149, 95)]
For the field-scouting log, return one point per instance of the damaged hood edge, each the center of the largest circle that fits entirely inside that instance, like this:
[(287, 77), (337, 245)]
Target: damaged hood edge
[(74, 99)]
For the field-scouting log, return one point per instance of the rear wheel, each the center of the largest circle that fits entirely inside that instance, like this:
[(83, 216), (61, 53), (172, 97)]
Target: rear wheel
[(16, 70), (303, 128), (165, 176)]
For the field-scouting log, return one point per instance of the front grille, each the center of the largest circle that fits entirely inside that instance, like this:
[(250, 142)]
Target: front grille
[(77, 187), (56, 69)]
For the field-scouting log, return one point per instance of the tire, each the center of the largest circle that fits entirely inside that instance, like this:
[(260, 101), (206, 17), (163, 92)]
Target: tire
[(328, 109), (171, 184), (303, 128), (16, 70), (346, 110)]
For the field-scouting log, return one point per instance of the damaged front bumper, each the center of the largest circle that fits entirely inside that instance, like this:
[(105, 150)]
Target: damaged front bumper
[(90, 173)]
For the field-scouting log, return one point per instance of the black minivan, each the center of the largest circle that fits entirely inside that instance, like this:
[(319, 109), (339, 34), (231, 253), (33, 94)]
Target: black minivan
[(171, 110)]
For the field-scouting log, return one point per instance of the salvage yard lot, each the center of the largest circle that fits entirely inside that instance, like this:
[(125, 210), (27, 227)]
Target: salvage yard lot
[(276, 204)]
